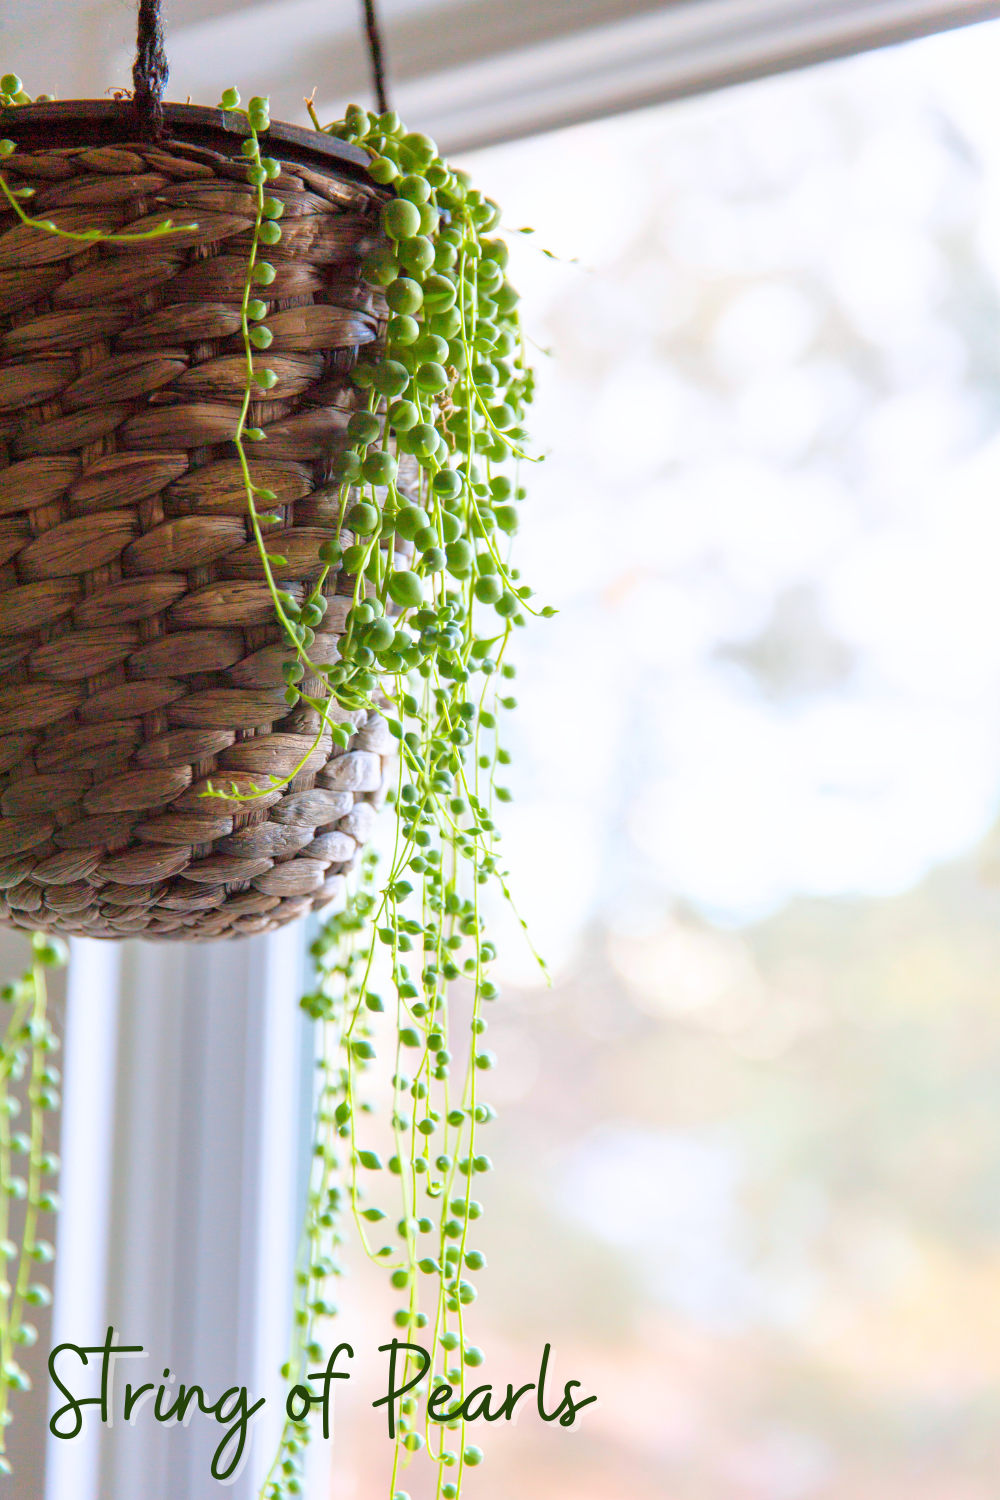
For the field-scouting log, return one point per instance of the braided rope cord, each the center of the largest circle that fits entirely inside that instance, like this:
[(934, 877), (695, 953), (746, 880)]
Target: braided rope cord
[(150, 70), (376, 55)]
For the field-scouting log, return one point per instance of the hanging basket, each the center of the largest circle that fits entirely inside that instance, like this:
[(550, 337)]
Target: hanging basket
[(139, 654)]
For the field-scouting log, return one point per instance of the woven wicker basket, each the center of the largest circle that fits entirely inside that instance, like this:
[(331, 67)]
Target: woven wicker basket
[(138, 649)]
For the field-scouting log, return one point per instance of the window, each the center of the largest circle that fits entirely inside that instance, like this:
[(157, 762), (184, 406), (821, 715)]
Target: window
[(749, 1136)]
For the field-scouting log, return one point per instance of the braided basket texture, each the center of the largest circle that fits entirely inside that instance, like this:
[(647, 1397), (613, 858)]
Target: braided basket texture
[(139, 656)]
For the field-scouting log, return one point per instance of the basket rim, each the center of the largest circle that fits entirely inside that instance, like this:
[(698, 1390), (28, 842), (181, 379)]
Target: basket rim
[(112, 122)]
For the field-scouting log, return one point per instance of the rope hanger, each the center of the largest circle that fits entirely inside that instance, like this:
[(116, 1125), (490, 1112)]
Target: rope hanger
[(150, 70), (376, 56)]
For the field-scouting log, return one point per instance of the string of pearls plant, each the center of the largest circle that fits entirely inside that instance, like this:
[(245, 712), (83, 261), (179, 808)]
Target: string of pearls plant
[(451, 384), (449, 387), (427, 645), (25, 1050)]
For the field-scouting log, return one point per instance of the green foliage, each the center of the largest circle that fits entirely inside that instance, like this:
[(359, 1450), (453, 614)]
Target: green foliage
[(450, 387), (26, 1049)]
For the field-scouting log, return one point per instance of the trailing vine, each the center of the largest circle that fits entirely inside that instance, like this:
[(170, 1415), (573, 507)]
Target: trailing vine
[(449, 387), (427, 644), (26, 1049)]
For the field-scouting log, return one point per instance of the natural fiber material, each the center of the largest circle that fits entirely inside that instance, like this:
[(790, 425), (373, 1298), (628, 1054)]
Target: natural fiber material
[(149, 71), (139, 658), (373, 35)]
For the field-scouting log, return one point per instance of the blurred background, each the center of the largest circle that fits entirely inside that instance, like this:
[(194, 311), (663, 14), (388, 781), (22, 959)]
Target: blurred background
[(748, 1143), (749, 1140), (750, 1136)]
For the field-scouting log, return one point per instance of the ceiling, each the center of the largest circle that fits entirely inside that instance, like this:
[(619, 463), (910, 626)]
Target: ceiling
[(469, 72)]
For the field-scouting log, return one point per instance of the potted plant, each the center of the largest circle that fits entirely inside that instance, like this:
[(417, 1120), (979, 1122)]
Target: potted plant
[(262, 392)]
